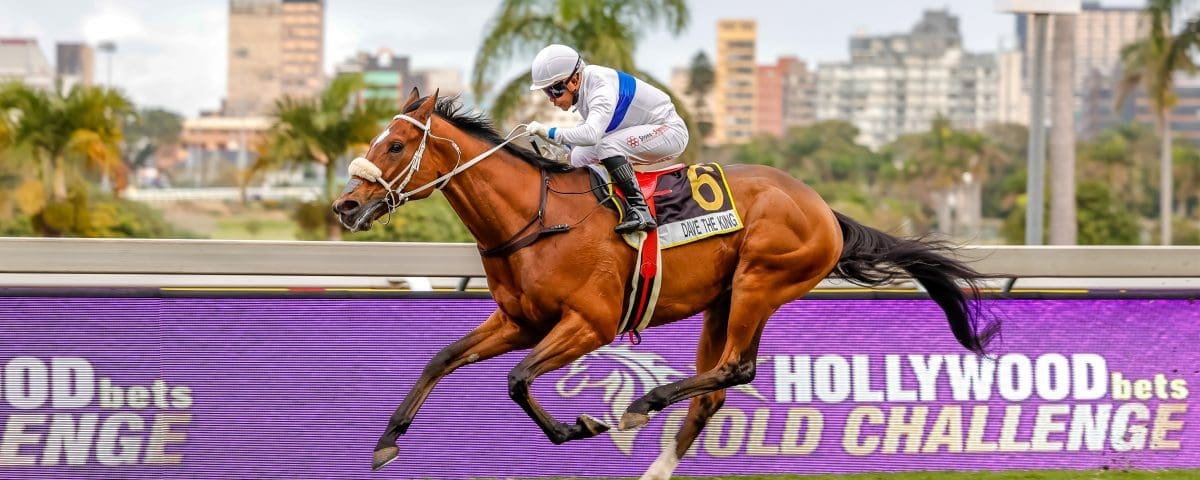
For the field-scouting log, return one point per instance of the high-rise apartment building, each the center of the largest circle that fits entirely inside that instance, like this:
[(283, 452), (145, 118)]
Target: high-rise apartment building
[(21, 60), (75, 64), (897, 84), (1100, 34), (701, 109), (387, 76), (736, 75), (785, 97), (768, 108), (303, 48), (276, 48), (799, 92)]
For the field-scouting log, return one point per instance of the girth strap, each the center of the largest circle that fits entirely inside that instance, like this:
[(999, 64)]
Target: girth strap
[(518, 242)]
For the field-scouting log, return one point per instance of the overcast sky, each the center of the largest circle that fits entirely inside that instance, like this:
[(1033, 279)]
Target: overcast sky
[(171, 53)]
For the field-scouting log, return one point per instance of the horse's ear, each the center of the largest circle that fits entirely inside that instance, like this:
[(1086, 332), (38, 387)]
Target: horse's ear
[(426, 109), (412, 97)]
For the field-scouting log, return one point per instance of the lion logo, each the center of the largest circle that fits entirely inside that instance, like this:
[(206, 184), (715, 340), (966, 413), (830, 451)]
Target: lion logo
[(630, 374)]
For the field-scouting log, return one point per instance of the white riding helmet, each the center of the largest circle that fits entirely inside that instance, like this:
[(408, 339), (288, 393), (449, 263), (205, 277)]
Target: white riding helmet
[(553, 64)]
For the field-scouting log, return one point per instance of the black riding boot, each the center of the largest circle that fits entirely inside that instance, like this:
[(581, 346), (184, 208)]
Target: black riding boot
[(637, 217)]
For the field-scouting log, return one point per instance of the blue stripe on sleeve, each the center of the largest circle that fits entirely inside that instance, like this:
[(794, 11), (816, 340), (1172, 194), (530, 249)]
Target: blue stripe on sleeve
[(627, 87)]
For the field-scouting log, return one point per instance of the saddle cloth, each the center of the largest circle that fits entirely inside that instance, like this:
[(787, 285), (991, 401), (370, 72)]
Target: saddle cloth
[(690, 203)]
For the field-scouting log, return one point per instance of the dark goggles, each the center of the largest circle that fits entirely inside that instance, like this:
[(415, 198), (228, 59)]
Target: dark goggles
[(560, 87)]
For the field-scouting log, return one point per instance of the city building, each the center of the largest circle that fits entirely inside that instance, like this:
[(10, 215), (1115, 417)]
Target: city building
[(701, 109), (303, 46), (799, 92), (1100, 34), (447, 81), (21, 60), (786, 96), (736, 75), (1099, 111), (386, 75), (391, 77), (276, 48), (1012, 95), (75, 64), (768, 101), (897, 84), (217, 147)]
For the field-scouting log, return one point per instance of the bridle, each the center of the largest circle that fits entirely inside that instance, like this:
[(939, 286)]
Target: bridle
[(396, 196)]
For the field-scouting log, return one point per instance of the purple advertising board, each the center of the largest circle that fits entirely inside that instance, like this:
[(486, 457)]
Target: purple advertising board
[(177, 387)]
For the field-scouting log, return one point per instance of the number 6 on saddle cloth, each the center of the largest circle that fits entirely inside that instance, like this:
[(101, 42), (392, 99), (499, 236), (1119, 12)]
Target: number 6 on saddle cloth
[(690, 203)]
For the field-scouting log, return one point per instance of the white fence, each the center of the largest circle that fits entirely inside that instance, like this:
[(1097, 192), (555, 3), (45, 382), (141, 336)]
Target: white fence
[(166, 263)]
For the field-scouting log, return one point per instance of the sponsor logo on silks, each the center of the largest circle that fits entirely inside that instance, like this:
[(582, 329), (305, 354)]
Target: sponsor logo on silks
[(633, 141), (653, 133), (51, 419), (624, 375)]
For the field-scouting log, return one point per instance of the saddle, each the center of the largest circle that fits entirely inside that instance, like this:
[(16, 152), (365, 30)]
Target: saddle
[(690, 203)]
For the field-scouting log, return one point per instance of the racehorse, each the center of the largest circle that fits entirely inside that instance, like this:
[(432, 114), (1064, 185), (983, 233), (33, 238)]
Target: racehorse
[(561, 295)]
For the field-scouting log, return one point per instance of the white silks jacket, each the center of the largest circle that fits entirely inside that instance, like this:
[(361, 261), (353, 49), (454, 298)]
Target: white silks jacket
[(610, 100)]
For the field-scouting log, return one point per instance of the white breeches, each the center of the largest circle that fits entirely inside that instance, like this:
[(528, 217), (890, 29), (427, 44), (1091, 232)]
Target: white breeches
[(642, 145)]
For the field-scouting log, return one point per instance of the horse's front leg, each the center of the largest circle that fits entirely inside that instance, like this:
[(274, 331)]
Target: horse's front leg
[(571, 339), (495, 336)]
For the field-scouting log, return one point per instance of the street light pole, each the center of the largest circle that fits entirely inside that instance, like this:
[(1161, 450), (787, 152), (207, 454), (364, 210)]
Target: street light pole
[(1035, 185), (108, 47), (1040, 10)]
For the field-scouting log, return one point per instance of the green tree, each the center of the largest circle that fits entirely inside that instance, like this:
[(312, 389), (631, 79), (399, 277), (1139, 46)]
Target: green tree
[(147, 131), (83, 126), (1004, 180), (320, 131), (701, 78), (1124, 155), (943, 162), (1186, 157), (1151, 63), (827, 152), (605, 32), (1102, 218)]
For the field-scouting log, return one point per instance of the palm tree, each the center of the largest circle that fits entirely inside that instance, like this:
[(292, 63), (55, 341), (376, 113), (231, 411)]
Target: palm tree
[(1151, 63), (322, 130), (58, 129), (1064, 228), (701, 79), (605, 32)]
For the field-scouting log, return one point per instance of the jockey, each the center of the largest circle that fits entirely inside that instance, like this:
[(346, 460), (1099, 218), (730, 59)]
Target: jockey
[(624, 119)]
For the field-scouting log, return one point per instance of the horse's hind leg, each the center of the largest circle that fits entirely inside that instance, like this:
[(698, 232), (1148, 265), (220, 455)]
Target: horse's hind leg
[(572, 338), (712, 343), (495, 336), (749, 311)]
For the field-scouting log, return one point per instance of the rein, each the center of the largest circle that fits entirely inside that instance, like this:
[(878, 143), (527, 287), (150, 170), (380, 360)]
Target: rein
[(396, 196)]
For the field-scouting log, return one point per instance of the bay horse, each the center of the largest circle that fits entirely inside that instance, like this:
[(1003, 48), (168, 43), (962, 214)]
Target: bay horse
[(561, 296)]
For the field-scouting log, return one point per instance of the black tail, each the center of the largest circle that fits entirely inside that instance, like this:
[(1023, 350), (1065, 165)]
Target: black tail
[(871, 258)]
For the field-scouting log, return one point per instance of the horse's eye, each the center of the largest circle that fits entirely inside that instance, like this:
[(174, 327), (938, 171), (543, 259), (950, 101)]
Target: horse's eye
[(395, 148)]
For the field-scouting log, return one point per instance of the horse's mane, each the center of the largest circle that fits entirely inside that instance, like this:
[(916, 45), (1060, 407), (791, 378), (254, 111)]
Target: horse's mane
[(479, 126)]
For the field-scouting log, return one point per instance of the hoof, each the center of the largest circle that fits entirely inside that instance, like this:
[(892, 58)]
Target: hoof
[(383, 457), (592, 425), (631, 420)]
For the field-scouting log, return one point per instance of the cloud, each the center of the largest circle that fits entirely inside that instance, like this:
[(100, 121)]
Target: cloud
[(111, 25)]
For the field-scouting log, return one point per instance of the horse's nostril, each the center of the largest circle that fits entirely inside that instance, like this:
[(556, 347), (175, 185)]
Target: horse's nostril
[(346, 206)]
